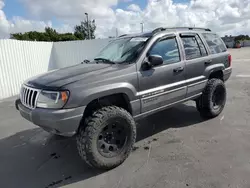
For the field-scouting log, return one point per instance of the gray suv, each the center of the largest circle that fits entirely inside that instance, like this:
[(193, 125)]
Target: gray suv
[(134, 76)]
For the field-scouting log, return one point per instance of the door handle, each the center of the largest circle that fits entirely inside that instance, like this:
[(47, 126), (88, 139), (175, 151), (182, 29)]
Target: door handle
[(208, 62), (179, 69)]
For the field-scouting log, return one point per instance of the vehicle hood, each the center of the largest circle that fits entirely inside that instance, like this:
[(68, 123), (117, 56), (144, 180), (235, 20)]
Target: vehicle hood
[(58, 78)]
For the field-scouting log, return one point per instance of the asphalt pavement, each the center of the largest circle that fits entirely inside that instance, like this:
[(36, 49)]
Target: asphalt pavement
[(175, 148)]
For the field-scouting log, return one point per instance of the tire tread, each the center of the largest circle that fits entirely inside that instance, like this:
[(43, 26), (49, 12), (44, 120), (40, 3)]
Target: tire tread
[(86, 133), (203, 105)]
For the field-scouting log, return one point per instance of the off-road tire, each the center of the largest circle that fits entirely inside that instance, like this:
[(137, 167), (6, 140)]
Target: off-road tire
[(88, 136), (205, 103)]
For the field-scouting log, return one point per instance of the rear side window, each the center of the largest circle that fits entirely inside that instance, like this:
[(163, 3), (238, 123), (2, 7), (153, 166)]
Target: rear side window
[(191, 47), (201, 45), (215, 43)]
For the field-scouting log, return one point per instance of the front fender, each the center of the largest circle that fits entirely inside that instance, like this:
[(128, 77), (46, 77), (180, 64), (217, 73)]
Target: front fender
[(102, 91), (86, 95)]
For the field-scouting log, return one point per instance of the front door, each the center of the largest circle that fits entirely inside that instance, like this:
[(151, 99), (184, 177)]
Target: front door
[(165, 84)]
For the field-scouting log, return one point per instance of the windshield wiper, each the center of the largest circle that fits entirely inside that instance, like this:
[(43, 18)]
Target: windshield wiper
[(104, 60), (85, 61)]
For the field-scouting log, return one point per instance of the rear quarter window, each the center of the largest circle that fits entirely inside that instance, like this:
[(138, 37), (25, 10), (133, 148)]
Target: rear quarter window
[(192, 49), (215, 43)]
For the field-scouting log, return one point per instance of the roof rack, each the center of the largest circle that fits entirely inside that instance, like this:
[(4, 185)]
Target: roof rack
[(180, 28)]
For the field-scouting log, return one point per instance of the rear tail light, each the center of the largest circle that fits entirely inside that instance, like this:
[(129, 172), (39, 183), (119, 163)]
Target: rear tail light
[(230, 60)]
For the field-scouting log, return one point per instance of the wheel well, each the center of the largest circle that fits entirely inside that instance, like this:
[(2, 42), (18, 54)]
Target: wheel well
[(217, 74), (120, 100)]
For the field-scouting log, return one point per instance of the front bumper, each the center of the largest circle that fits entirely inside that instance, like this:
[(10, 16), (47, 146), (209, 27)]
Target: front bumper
[(63, 122), (227, 73)]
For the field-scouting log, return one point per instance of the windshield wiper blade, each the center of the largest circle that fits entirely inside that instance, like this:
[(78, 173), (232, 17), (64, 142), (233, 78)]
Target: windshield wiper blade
[(85, 61), (104, 60)]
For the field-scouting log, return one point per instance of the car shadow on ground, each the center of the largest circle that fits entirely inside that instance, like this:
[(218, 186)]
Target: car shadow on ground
[(34, 158), (180, 116)]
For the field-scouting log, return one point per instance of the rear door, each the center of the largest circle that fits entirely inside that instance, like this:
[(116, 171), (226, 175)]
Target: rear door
[(217, 49), (197, 59)]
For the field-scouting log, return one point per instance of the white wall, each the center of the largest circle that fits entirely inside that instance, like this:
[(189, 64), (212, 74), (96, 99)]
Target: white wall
[(20, 60), (74, 52), (245, 43)]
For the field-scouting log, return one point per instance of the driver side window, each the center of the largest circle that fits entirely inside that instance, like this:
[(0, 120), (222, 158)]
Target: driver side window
[(168, 49)]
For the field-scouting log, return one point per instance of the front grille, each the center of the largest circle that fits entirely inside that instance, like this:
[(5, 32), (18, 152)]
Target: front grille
[(29, 96)]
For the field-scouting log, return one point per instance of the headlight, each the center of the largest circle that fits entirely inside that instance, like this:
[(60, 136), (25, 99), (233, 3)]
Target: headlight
[(52, 99)]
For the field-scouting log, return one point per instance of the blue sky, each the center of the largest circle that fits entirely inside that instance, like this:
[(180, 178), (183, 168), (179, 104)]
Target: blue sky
[(141, 3), (16, 8), (222, 16)]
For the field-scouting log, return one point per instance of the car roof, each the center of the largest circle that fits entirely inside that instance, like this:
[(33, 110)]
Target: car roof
[(167, 30), (146, 34)]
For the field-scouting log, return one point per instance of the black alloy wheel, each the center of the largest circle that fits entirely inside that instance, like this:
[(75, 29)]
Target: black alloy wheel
[(112, 139)]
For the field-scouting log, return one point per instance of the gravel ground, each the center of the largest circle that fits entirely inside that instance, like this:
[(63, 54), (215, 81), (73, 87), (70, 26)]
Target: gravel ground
[(175, 148)]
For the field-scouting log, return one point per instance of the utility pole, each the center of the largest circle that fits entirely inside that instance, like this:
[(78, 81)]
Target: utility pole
[(87, 15), (116, 32), (141, 27)]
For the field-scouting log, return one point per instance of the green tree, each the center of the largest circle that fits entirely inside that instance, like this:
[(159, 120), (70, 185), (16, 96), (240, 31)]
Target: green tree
[(81, 31), (68, 37), (241, 38), (50, 34), (30, 36), (35, 36), (18, 36)]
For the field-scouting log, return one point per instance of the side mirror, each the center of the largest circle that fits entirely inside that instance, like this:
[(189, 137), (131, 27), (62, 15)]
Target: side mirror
[(155, 60)]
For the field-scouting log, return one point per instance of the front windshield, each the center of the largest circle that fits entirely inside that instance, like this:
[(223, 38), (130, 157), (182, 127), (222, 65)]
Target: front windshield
[(123, 50)]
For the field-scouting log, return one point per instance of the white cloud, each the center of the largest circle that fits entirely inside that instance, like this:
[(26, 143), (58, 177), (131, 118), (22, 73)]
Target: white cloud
[(3, 22), (1, 4), (69, 9), (18, 24), (65, 28), (222, 16), (134, 7)]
